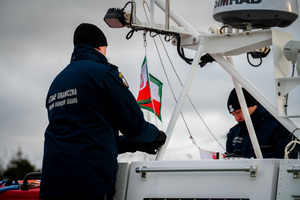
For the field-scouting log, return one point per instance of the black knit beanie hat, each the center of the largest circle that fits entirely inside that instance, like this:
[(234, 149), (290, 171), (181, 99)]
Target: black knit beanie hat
[(89, 34), (233, 103)]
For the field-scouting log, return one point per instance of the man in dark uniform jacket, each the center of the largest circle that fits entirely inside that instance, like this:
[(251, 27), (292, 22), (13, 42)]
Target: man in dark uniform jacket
[(271, 135), (88, 103)]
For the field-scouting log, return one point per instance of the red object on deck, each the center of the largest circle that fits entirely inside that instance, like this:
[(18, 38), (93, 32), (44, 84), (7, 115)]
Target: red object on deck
[(19, 194)]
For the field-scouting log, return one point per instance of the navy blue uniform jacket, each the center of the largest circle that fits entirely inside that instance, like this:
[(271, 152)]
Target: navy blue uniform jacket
[(271, 135), (88, 104)]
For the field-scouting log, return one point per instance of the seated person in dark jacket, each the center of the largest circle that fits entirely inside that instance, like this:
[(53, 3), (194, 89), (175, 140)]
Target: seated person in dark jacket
[(272, 136)]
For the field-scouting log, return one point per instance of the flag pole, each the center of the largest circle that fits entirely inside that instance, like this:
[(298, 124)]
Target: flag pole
[(180, 102)]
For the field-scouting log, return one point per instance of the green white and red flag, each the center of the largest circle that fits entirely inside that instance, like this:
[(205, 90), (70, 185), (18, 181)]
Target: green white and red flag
[(144, 95), (150, 93)]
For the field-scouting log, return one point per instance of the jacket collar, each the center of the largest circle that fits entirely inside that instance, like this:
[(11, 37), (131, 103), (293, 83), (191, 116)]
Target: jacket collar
[(85, 52), (257, 116)]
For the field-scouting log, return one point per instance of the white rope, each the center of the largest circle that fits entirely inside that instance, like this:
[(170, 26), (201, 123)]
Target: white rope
[(191, 137), (289, 149)]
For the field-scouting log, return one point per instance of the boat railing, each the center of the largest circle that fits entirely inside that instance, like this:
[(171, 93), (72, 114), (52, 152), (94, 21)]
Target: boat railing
[(252, 169)]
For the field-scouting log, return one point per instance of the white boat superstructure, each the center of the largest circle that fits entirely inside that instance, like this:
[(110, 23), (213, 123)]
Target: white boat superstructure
[(238, 179)]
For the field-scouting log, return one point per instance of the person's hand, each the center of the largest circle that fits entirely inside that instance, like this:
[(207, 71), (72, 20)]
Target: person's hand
[(232, 155), (152, 147)]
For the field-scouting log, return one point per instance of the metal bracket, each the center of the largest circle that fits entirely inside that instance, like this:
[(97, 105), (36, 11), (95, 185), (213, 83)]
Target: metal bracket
[(252, 170), (295, 171)]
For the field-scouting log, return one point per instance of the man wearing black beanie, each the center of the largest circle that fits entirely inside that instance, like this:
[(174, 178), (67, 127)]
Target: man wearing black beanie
[(234, 107), (88, 104), (272, 136)]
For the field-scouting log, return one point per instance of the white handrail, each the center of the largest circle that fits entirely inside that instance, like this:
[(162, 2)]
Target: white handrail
[(252, 169)]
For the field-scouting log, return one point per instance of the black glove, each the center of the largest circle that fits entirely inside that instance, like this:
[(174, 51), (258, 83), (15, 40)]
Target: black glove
[(152, 147), (232, 155)]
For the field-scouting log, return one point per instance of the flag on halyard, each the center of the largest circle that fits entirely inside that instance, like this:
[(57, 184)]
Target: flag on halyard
[(205, 154), (150, 92), (144, 95), (156, 94)]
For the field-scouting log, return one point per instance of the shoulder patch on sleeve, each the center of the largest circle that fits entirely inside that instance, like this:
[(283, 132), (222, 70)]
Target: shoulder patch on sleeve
[(123, 79)]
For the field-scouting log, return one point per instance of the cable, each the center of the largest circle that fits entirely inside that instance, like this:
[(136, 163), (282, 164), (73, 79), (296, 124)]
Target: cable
[(287, 95), (222, 28), (131, 12), (129, 34), (191, 137), (294, 142), (253, 65), (286, 151), (258, 54), (255, 54), (203, 60)]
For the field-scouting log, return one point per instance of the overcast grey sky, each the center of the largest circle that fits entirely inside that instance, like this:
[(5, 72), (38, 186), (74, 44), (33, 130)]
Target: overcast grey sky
[(36, 44)]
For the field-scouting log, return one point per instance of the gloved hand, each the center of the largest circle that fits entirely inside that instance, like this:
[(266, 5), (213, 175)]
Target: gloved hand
[(232, 155), (152, 147)]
